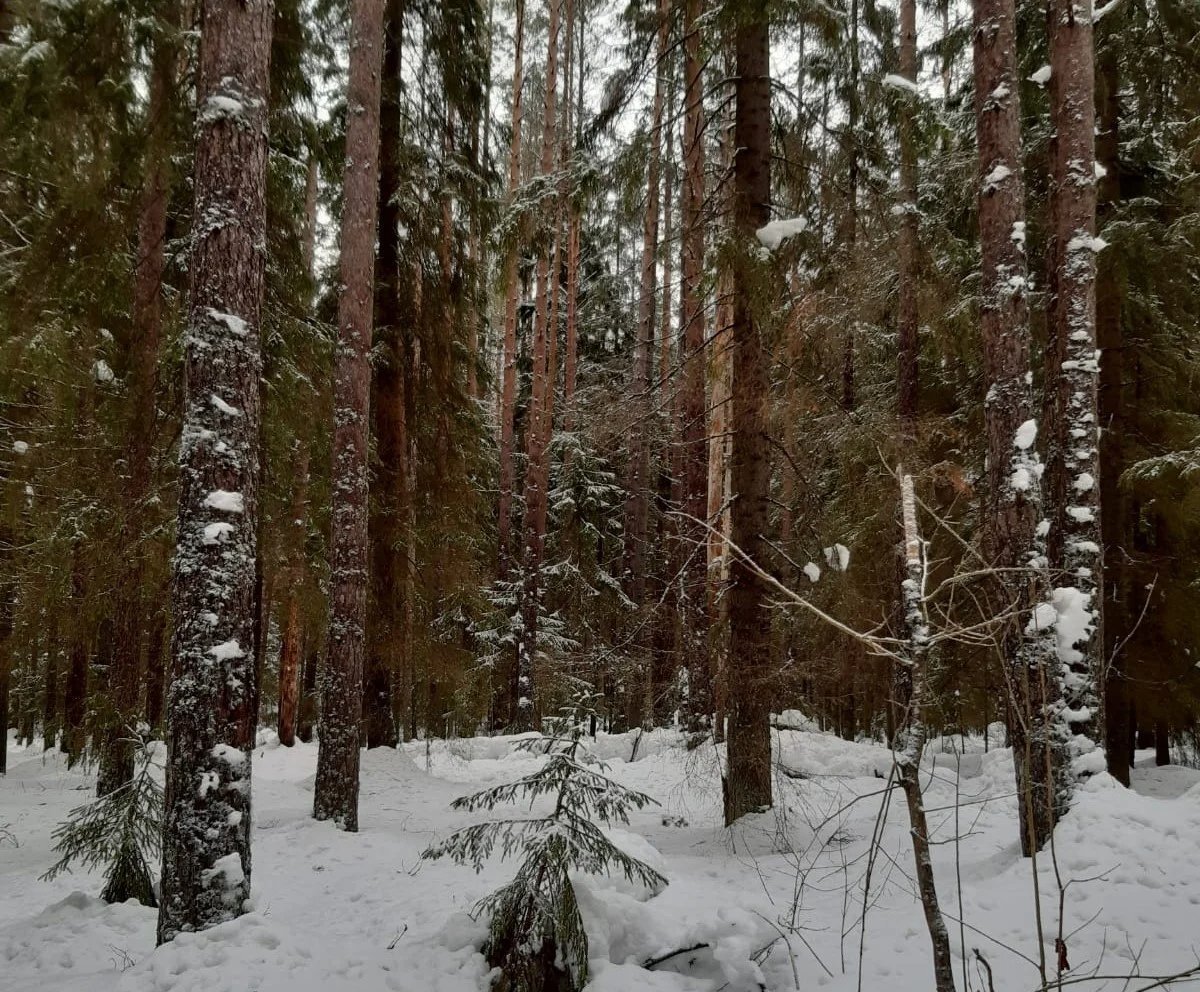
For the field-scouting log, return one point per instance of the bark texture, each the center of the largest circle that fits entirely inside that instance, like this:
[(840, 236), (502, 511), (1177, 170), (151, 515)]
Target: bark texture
[(1013, 471), (210, 705), (1073, 365), (747, 784), (336, 792)]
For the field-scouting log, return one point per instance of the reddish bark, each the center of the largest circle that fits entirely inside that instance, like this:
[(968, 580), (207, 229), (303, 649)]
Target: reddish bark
[(210, 708), (336, 792), (747, 783)]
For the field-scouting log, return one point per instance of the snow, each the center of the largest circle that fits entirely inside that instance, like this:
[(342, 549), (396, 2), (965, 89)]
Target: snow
[(235, 325), (994, 178), (226, 650), (220, 499), (102, 371), (900, 83), (225, 408), (1042, 76), (772, 235), (1026, 435), (1106, 9), (837, 557), (216, 533), (338, 912), (20, 447), (813, 571)]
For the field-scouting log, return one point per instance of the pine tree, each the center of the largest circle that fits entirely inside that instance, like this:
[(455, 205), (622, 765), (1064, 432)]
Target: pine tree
[(211, 713), (336, 792)]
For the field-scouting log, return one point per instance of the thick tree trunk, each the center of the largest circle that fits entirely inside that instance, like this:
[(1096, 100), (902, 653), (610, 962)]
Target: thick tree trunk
[(210, 706), (525, 711), (388, 540), (1013, 491), (693, 535), (336, 792), (508, 372), (1072, 408), (747, 784), (116, 755)]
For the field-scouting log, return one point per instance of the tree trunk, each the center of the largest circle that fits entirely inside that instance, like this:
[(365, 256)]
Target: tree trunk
[(1013, 491), (508, 373), (1072, 408), (156, 668), (911, 693), (307, 715), (388, 541), (637, 513), (1162, 743), (290, 642), (116, 755), (1110, 339), (907, 317), (525, 708), (850, 223), (210, 706), (336, 792), (50, 693), (693, 535), (76, 690), (747, 784)]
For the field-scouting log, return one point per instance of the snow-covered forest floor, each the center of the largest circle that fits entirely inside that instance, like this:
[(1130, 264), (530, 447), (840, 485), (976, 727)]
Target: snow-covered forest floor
[(336, 911)]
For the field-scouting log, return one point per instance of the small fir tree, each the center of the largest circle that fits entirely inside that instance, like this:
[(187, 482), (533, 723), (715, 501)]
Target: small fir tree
[(536, 934), (119, 832)]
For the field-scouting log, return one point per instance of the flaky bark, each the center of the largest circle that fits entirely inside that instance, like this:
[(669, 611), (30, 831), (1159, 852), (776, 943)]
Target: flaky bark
[(1072, 407), (336, 792), (210, 706), (747, 784), (1013, 470)]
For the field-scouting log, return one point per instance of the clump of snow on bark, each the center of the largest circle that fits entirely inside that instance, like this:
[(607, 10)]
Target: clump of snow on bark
[(813, 571), (225, 408), (234, 324), (772, 235), (20, 447), (102, 371), (1042, 76), (221, 499), (1026, 435), (216, 533), (837, 557)]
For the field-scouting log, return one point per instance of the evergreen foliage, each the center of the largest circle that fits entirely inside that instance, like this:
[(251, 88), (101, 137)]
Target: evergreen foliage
[(536, 934), (119, 833)]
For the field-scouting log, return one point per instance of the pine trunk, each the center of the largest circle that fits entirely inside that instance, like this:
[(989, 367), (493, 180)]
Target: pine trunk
[(1072, 407), (1110, 339), (210, 706), (525, 711), (907, 317), (50, 687), (747, 785), (336, 792), (388, 542), (508, 372), (1013, 491), (290, 642), (693, 456), (116, 755)]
